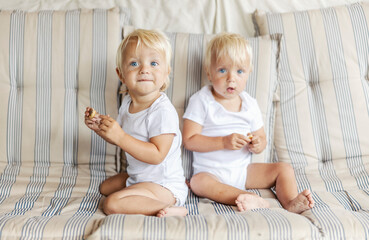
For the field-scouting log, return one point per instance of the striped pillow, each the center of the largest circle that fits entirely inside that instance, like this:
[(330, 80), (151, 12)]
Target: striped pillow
[(322, 120), (52, 65), (188, 76)]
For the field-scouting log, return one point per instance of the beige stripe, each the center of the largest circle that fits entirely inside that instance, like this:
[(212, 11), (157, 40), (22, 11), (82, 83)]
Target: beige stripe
[(58, 93), (113, 40), (84, 71), (329, 98), (29, 97), (214, 223), (135, 223), (5, 82), (204, 77), (175, 229), (301, 97), (180, 74), (356, 89), (84, 133)]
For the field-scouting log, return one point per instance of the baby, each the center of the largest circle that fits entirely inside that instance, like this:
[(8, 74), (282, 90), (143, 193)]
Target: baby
[(223, 125), (147, 129)]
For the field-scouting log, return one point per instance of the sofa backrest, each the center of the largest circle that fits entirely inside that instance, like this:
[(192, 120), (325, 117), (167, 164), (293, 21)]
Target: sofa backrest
[(323, 116), (53, 65)]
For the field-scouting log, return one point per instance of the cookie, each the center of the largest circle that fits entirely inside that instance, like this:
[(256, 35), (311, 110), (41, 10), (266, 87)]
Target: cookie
[(91, 113)]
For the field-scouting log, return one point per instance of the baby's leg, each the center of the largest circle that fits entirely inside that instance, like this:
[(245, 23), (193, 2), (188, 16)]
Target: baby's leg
[(143, 198), (113, 184), (207, 185), (280, 175)]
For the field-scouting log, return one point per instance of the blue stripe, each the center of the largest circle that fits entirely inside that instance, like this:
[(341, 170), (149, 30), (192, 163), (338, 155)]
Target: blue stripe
[(193, 84), (361, 35), (363, 218), (237, 227), (344, 98), (154, 228), (112, 227), (316, 103), (43, 119), (289, 109), (328, 221), (191, 204), (278, 225), (15, 105), (89, 204), (196, 228)]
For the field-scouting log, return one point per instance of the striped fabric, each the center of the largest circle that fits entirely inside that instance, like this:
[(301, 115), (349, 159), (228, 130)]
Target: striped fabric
[(321, 125), (188, 76), (52, 65)]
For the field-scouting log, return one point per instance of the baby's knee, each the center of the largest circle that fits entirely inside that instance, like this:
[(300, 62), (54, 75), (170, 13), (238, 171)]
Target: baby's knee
[(285, 168), (103, 189), (198, 181), (110, 206)]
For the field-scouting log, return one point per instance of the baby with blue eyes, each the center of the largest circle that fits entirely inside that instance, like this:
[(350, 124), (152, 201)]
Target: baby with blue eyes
[(223, 126), (147, 130)]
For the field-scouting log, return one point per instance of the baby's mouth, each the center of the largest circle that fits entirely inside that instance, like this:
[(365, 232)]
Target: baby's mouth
[(231, 90)]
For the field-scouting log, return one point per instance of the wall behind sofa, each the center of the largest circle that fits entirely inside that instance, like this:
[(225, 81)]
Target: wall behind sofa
[(194, 16)]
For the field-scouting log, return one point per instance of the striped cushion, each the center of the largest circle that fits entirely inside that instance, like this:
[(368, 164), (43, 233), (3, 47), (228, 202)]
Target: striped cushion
[(321, 125), (188, 76), (52, 65), (322, 121)]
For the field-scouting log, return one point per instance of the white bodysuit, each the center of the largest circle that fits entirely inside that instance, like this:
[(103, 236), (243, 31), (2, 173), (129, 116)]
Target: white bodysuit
[(160, 118), (229, 166)]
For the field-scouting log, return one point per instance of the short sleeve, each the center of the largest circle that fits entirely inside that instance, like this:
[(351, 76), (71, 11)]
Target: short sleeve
[(257, 121), (162, 121), (196, 109)]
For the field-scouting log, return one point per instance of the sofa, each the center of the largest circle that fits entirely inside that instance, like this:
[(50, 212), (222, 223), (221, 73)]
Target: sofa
[(310, 77)]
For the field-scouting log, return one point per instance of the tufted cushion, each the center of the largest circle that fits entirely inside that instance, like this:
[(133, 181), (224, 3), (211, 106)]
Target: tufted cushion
[(52, 65), (323, 116)]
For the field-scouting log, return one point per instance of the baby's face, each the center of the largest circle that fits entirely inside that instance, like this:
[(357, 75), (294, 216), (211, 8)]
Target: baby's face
[(228, 78), (144, 69)]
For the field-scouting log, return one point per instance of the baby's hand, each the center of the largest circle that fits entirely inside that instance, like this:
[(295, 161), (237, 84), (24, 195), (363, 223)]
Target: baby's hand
[(234, 141), (254, 143), (110, 130), (92, 119)]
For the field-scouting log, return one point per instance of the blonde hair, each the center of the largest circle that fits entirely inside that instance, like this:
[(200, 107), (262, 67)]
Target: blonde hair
[(229, 44), (154, 39)]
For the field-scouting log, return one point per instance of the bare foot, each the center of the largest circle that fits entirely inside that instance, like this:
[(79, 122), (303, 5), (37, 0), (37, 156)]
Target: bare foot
[(249, 201), (172, 211), (304, 201)]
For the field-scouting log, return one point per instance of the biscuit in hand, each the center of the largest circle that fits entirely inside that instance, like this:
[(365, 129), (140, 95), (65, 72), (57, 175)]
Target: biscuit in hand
[(91, 113)]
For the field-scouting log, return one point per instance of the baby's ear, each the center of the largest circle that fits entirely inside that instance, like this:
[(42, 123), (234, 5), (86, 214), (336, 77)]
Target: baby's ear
[(207, 73), (120, 75)]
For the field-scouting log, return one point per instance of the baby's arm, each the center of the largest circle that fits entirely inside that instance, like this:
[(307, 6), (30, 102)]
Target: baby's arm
[(258, 141), (193, 140), (152, 152)]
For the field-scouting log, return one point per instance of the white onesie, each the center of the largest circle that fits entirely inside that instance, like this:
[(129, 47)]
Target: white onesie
[(229, 166), (160, 118)]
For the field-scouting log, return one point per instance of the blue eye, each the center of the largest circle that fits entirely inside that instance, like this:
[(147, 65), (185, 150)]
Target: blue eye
[(222, 70), (240, 71), (134, 64), (154, 64)]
